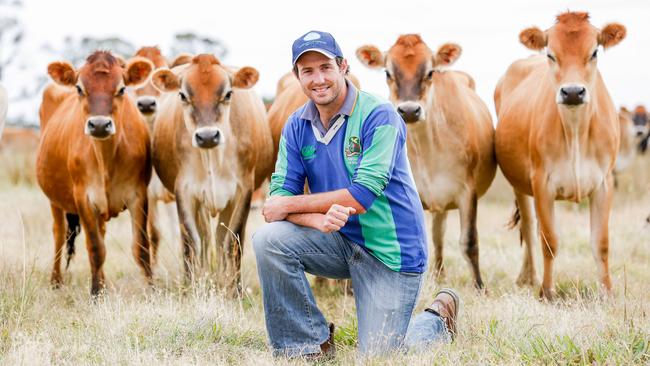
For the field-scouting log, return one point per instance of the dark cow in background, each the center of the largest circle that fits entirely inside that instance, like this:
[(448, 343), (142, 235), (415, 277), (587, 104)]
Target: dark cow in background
[(94, 158)]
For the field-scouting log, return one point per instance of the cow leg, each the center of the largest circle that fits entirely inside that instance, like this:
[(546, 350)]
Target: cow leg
[(438, 230), (527, 276), (186, 207), (152, 227), (58, 229), (469, 234), (544, 207), (138, 208), (233, 243), (94, 227), (600, 203), (203, 226)]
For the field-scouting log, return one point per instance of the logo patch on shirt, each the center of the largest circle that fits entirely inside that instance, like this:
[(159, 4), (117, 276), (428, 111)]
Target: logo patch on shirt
[(308, 152), (354, 147)]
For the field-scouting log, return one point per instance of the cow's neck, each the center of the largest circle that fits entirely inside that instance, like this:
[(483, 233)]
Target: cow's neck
[(105, 151), (575, 130)]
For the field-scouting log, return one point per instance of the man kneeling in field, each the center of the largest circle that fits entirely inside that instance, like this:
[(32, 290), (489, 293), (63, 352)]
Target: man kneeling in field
[(363, 220)]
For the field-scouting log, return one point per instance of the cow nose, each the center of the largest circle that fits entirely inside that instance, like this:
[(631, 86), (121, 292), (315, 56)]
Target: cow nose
[(573, 95), (100, 127), (410, 112), (207, 138), (147, 106)]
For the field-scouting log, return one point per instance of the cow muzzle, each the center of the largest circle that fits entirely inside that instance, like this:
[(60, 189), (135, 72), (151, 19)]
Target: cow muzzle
[(410, 111), (572, 95), (146, 105), (207, 137), (100, 127)]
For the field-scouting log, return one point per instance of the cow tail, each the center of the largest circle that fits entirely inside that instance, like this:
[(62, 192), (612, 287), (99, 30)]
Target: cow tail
[(73, 230), (514, 222)]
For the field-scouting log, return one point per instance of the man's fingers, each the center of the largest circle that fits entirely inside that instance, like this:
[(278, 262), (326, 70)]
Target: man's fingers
[(339, 215), (331, 227), (335, 221), (352, 210)]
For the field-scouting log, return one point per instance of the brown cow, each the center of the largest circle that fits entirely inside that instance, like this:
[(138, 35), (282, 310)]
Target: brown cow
[(94, 157), (450, 136), (558, 135), (211, 144), (146, 98)]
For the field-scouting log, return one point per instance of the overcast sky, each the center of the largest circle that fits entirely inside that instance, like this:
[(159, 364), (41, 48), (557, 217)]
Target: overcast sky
[(260, 33)]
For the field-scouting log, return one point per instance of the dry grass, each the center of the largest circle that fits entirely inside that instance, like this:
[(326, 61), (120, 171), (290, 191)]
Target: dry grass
[(177, 324)]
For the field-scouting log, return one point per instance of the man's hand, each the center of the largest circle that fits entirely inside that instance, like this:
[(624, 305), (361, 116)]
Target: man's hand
[(335, 218), (275, 209)]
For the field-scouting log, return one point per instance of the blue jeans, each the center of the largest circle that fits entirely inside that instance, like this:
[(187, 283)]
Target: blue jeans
[(385, 299)]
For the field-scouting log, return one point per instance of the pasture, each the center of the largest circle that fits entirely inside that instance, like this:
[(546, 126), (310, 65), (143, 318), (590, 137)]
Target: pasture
[(174, 323)]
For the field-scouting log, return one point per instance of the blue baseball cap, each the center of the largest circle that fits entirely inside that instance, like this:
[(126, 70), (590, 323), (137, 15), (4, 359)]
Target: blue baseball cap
[(322, 42)]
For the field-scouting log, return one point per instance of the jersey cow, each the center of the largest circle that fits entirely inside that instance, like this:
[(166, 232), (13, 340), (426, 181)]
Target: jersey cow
[(450, 134), (558, 135), (94, 157), (211, 143)]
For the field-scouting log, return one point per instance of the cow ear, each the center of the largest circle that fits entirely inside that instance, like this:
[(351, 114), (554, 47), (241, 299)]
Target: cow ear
[(137, 71), (611, 35), (62, 73), (165, 80), (245, 78), (447, 54), (533, 38), (371, 56), (182, 59)]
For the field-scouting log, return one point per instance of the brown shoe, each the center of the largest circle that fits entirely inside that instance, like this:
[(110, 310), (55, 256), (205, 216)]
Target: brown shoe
[(446, 305), (327, 349)]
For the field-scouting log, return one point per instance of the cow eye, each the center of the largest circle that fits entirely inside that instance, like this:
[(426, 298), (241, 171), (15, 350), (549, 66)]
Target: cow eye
[(121, 91), (594, 55), (550, 57), (79, 90), (388, 76), (227, 96), (183, 97), (430, 75)]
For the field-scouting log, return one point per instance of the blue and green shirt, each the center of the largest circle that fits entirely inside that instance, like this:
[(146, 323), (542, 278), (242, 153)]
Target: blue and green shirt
[(366, 154)]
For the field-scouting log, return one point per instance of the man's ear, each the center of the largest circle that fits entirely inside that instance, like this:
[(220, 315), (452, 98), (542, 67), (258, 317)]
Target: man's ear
[(165, 80), (371, 56), (245, 78), (137, 71), (63, 73), (533, 38), (447, 54)]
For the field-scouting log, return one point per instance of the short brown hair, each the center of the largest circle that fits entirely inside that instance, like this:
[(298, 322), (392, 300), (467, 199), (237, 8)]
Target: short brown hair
[(338, 59)]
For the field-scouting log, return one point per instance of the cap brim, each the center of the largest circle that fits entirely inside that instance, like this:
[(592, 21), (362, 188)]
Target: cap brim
[(321, 51)]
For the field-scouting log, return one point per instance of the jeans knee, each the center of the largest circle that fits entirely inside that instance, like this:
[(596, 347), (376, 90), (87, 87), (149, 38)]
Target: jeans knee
[(265, 237)]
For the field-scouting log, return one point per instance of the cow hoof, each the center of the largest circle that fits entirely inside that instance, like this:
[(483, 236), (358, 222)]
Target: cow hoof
[(547, 294), (525, 279), (56, 281)]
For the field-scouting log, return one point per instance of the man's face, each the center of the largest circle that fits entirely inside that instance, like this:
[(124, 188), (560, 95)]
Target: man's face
[(320, 77)]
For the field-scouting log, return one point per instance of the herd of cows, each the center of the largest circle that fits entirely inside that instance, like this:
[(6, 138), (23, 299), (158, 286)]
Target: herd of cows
[(123, 135)]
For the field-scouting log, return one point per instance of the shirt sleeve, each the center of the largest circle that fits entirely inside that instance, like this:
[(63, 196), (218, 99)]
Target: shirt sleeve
[(289, 176), (383, 137)]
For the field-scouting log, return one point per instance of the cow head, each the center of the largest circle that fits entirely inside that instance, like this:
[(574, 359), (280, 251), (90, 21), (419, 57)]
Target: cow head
[(101, 83), (146, 95), (409, 66), (572, 46), (205, 88)]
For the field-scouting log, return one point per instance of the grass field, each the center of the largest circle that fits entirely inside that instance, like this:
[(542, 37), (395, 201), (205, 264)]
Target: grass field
[(177, 324)]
